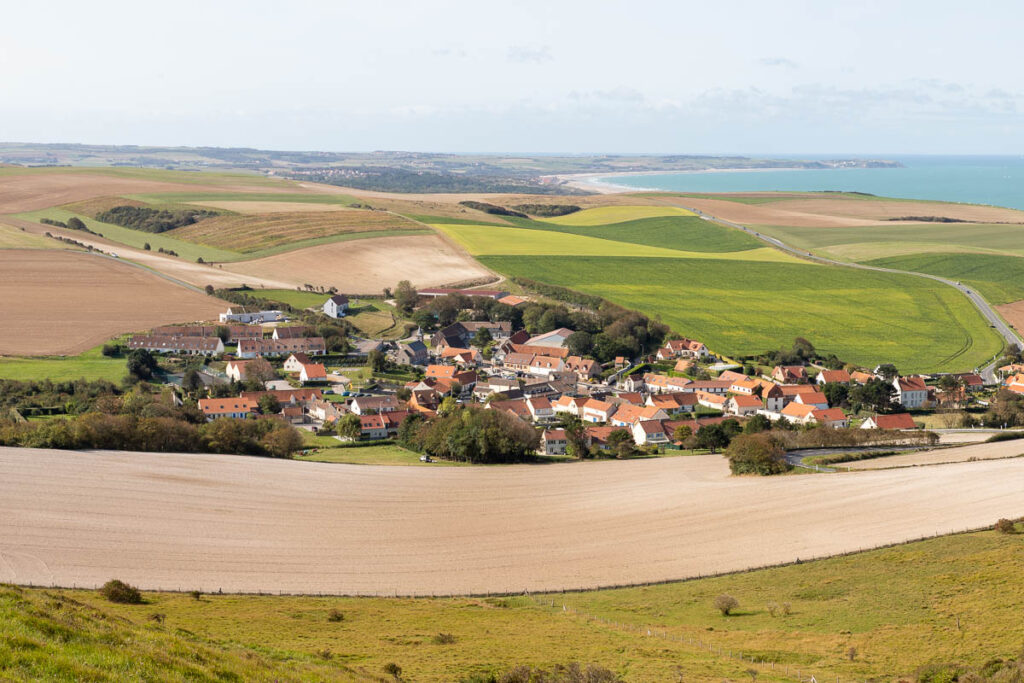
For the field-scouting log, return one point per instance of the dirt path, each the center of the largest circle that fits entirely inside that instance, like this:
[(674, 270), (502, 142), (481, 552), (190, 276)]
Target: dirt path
[(250, 524), (981, 451)]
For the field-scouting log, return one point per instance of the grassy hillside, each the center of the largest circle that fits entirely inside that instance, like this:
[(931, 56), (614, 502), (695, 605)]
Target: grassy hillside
[(1000, 279), (604, 215), (947, 600), (746, 307), (16, 238), (880, 241)]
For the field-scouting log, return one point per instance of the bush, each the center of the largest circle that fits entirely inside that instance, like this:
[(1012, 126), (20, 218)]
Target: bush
[(757, 454), (335, 615), (393, 670), (121, 593), (1005, 526), (726, 604), (444, 639)]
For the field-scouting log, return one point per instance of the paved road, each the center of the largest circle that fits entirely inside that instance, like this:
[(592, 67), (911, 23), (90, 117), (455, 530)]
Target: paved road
[(1009, 334)]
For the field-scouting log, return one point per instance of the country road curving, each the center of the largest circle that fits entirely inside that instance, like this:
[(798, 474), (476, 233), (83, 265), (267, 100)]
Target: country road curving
[(1009, 334)]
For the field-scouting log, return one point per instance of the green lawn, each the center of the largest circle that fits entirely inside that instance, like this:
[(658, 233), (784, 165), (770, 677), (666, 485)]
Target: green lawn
[(386, 454), (955, 599), (1000, 279), (89, 365), (744, 308), (292, 297)]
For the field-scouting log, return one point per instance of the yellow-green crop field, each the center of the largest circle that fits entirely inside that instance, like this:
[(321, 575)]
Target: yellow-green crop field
[(603, 215)]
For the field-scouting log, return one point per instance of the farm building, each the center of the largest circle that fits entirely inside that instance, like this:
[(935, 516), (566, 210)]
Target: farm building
[(898, 421), (253, 348), (336, 306), (243, 314)]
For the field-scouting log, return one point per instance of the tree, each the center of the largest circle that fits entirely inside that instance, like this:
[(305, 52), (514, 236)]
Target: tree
[(617, 437), (725, 604), (281, 441), (377, 361), (260, 370), (146, 247), (887, 371), (224, 333), (712, 437), (405, 296), (350, 426), (482, 338), (837, 394), (682, 433), (448, 406), (141, 364), (75, 223), (269, 405), (757, 423), (191, 381), (575, 435), (580, 343), (757, 454), (876, 394)]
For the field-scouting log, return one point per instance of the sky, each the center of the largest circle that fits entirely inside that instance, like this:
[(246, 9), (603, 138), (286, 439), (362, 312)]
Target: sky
[(558, 76)]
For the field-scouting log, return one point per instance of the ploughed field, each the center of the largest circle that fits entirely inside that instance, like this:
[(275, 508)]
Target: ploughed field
[(64, 302), (731, 291), (249, 524)]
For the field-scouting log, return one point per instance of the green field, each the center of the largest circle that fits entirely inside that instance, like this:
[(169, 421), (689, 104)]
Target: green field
[(89, 365), (485, 240), (292, 297), (385, 454), (1000, 279), (749, 307), (604, 215), (951, 600), (16, 238), (880, 241)]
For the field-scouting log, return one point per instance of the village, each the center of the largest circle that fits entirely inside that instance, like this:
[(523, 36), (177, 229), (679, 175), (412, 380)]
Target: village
[(261, 361)]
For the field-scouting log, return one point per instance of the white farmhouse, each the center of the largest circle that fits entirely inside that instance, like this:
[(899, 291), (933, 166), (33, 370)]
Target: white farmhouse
[(336, 306)]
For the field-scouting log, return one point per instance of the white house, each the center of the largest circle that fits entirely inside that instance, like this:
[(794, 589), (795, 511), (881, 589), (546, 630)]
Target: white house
[(336, 306), (241, 314), (742, 405), (312, 372), (540, 408), (911, 392), (568, 404), (815, 399), (227, 407), (367, 405), (235, 370), (597, 411), (553, 442), (295, 362), (545, 366), (648, 432)]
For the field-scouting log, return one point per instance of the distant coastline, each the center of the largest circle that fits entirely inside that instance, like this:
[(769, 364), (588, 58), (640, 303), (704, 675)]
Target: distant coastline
[(593, 182)]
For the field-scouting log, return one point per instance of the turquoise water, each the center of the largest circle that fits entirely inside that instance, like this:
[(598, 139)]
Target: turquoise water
[(975, 180)]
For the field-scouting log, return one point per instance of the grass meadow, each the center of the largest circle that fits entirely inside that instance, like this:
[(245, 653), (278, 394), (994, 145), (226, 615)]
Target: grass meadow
[(90, 365), (954, 599), (748, 307), (1000, 279), (604, 215), (16, 238)]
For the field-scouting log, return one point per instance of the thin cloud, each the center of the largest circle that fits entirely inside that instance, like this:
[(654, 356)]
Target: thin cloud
[(778, 61), (529, 54)]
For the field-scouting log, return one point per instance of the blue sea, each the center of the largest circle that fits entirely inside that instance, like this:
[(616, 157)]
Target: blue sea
[(995, 180)]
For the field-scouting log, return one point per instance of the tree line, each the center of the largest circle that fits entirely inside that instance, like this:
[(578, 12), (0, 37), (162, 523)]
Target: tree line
[(152, 220)]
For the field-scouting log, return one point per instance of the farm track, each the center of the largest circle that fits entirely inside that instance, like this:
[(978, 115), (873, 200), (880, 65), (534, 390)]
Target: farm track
[(245, 524), (1010, 337)]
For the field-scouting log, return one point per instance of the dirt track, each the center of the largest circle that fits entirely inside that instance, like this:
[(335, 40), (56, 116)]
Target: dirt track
[(978, 451), (250, 524)]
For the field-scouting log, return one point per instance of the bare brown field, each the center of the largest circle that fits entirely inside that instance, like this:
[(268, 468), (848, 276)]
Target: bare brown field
[(12, 237), (1013, 313), (252, 233), (62, 302), (91, 207), (368, 265), (977, 451), (843, 213), (232, 523)]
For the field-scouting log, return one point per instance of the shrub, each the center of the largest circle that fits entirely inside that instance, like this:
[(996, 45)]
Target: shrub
[(158, 617), (335, 615), (444, 639), (726, 604), (1005, 526), (121, 593), (196, 595), (760, 453), (393, 670)]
